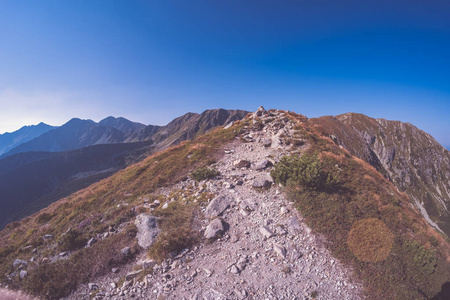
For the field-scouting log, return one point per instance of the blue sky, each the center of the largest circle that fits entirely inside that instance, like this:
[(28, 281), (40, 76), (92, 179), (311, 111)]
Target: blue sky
[(151, 61)]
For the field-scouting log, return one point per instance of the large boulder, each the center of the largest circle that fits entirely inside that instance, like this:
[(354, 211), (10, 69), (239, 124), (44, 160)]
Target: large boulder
[(147, 230), (217, 206)]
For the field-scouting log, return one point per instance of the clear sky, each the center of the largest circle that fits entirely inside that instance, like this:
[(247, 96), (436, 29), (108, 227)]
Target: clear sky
[(151, 61)]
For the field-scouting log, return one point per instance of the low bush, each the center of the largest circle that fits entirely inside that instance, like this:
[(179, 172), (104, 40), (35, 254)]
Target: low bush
[(203, 173), (306, 171), (72, 240)]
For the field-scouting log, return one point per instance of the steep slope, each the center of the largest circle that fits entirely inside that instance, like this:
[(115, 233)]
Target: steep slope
[(411, 158), (233, 235), (9, 140)]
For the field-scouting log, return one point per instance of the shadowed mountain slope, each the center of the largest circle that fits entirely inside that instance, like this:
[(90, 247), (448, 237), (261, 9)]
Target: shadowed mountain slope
[(415, 162), (31, 181)]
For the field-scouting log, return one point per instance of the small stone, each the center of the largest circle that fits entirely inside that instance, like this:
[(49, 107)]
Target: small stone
[(115, 270), (165, 205), (243, 163), (267, 142), (208, 272), (266, 232), (215, 228), (155, 204), (92, 286), (261, 183), (126, 251), (63, 254), (91, 241), (47, 236), (19, 262), (280, 250), (132, 275), (263, 165), (147, 264), (217, 206), (113, 285), (23, 274), (234, 269)]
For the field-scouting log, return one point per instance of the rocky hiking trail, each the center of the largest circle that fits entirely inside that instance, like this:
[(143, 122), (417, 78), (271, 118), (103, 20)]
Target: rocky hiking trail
[(256, 243)]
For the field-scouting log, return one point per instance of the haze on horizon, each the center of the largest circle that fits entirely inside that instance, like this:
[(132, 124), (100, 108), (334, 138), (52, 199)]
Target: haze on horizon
[(151, 61)]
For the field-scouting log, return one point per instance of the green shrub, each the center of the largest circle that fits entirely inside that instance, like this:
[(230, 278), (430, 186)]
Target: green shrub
[(72, 240), (44, 218), (306, 171), (203, 173)]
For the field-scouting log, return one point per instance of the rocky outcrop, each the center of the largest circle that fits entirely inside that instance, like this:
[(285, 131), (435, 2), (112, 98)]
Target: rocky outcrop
[(415, 162)]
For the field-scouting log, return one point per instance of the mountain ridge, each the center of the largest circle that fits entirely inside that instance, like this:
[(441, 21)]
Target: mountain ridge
[(10, 140)]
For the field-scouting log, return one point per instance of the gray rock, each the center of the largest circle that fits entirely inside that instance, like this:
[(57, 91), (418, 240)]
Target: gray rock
[(208, 272), (92, 286), (294, 223), (280, 250), (147, 230), (126, 251), (267, 142), (23, 274), (217, 206), (263, 165), (215, 228), (91, 242), (234, 269), (132, 275), (260, 111), (115, 270), (147, 264), (155, 204), (261, 183), (19, 262), (266, 232), (47, 236), (242, 163)]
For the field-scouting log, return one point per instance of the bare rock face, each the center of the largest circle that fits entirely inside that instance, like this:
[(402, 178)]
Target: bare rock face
[(412, 159), (217, 206), (148, 230)]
